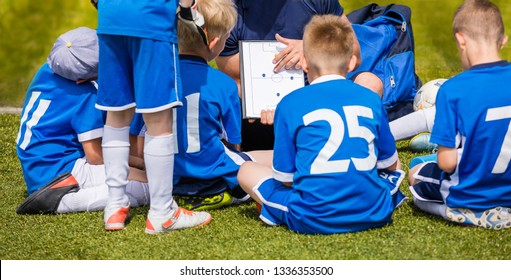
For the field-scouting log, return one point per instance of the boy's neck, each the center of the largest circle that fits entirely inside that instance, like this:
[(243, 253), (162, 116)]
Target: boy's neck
[(483, 56), (481, 53)]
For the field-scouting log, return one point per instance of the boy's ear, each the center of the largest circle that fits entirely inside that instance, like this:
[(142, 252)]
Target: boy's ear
[(460, 39), (213, 43), (504, 41), (304, 64), (352, 64)]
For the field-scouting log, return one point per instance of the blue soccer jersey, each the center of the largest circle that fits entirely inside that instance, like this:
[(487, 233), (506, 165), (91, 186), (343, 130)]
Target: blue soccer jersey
[(262, 19), (57, 116), (330, 139), (210, 112), (145, 19), (473, 114)]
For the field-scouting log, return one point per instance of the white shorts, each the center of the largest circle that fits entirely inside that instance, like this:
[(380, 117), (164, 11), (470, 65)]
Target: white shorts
[(93, 192)]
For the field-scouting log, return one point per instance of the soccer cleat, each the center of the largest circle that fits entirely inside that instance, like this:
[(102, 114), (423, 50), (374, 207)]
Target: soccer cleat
[(204, 202), (46, 200), (423, 159), (420, 143), (180, 218), (239, 196), (495, 218), (116, 217)]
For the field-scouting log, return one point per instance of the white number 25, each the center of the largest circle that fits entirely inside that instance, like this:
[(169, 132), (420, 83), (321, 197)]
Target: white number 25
[(322, 163)]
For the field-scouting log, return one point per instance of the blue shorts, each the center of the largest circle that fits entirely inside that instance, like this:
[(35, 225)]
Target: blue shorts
[(187, 186), (429, 187), (275, 196), (426, 194), (137, 72)]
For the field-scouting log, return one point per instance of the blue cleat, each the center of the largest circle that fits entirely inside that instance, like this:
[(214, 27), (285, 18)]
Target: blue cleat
[(423, 159), (420, 143)]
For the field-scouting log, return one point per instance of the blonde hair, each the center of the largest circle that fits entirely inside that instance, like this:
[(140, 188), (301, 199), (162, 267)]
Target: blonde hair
[(219, 16), (480, 20), (328, 43)]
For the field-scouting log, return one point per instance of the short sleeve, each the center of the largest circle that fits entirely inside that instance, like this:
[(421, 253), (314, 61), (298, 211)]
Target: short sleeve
[(88, 121), (231, 114), (445, 128), (284, 148), (387, 152)]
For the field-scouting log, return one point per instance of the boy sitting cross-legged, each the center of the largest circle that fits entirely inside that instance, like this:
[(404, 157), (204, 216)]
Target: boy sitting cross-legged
[(330, 140), (471, 182), (59, 138), (209, 127)]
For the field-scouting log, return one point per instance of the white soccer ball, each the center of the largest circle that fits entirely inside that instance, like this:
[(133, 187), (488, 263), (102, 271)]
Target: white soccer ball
[(426, 96)]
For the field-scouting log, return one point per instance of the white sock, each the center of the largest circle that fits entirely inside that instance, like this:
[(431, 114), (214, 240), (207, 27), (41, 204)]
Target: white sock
[(116, 151), (413, 124), (159, 162)]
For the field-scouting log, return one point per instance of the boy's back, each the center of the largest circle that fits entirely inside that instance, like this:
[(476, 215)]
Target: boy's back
[(331, 137), (210, 111), (477, 104), (57, 112)]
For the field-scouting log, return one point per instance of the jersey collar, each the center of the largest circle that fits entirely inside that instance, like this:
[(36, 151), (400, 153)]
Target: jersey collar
[(327, 78), (193, 58), (488, 65)]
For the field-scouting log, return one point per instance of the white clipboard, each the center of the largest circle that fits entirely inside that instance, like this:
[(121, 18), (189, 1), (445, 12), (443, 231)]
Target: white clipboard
[(261, 88)]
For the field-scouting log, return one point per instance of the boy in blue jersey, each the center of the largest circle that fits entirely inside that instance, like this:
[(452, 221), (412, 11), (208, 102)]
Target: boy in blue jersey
[(207, 163), (330, 140), (471, 183), (139, 72), (59, 139), (283, 21)]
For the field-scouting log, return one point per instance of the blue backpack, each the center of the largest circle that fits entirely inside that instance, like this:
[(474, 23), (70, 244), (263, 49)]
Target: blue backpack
[(387, 49)]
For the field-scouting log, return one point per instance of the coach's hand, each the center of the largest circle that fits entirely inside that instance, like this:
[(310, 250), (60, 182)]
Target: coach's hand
[(266, 117), (290, 56)]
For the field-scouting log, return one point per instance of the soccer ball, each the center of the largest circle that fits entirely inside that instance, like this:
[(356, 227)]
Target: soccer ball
[(426, 96)]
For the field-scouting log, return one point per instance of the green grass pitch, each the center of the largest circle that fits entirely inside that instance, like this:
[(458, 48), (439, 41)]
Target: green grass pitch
[(27, 31)]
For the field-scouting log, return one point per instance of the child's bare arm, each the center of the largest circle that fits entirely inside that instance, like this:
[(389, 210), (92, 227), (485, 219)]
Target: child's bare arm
[(93, 151), (447, 158)]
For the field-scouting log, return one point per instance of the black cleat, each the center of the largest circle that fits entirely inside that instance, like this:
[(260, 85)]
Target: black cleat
[(46, 200)]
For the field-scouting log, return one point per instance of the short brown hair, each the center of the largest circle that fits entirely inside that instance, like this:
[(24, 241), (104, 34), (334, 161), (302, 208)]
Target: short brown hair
[(219, 16), (480, 20), (328, 42)]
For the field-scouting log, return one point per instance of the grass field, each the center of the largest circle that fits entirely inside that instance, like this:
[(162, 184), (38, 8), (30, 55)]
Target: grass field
[(235, 233), (28, 29)]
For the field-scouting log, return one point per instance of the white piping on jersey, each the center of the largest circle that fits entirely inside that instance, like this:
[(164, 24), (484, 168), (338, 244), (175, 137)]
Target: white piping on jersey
[(282, 176), (327, 78), (382, 164), (91, 134)]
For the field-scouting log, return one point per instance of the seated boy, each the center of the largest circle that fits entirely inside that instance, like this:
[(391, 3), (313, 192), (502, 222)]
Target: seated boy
[(330, 140), (59, 139), (209, 127), (471, 182)]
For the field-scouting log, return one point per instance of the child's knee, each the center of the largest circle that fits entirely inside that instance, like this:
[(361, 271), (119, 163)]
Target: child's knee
[(370, 81), (411, 179)]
